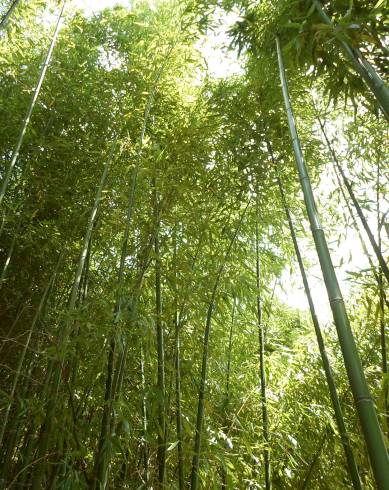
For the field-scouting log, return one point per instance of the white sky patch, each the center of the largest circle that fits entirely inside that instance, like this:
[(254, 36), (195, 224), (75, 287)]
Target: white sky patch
[(92, 6), (221, 61)]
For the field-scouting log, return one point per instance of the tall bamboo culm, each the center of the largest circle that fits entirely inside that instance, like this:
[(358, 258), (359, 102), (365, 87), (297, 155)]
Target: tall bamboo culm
[(364, 403), (352, 466), (161, 456), (65, 330), (194, 484), (30, 109), (261, 351)]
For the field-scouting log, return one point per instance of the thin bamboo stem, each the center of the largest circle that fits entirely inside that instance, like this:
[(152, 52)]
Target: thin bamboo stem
[(31, 107), (261, 352), (177, 367), (377, 251), (204, 363), (345, 439), (25, 348), (5, 19), (161, 456)]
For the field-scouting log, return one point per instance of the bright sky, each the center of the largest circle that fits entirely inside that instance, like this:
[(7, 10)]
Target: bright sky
[(91, 6), (222, 64)]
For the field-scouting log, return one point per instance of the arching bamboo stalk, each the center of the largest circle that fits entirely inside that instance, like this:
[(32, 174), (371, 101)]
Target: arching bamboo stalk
[(363, 401), (30, 109)]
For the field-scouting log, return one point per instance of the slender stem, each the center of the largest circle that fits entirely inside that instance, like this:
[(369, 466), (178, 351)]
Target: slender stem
[(384, 354), (4, 21), (22, 357), (10, 251), (356, 227), (362, 398), (315, 460), (65, 330), (228, 376), (261, 344), (352, 466), (177, 366), (204, 363), (30, 109), (377, 251), (160, 347), (144, 418)]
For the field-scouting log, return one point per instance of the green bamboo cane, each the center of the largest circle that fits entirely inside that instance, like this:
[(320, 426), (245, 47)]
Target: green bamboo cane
[(10, 251), (352, 466), (102, 460), (261, 345), (204, 363), (25, 348), (144, 418), (65, 331), (360, 64), (177, 369), (161, 456), (381, 303), (364, 403), (383, 265), (7, 15), (31, 107), (228, 376)]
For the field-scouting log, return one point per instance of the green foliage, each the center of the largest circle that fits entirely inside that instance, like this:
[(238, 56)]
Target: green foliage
[(139, 74)]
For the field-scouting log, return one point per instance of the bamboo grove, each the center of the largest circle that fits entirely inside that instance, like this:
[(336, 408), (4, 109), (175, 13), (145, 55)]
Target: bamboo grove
[(159, 223)]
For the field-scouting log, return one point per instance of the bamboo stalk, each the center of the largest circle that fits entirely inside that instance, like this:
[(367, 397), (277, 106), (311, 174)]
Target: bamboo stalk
[(5, 19), (384, 353), (228, 375), (204, 363), (161, 456), (177, 367), (377, 251), (261, 346), (101, 463), (345, 439), (144, 419), (25, 348), (65, 330), (360, 237), (362, 398), (31, 107)]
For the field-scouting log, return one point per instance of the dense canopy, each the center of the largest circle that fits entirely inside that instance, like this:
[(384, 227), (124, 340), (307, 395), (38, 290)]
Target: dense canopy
[(159, 224)]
